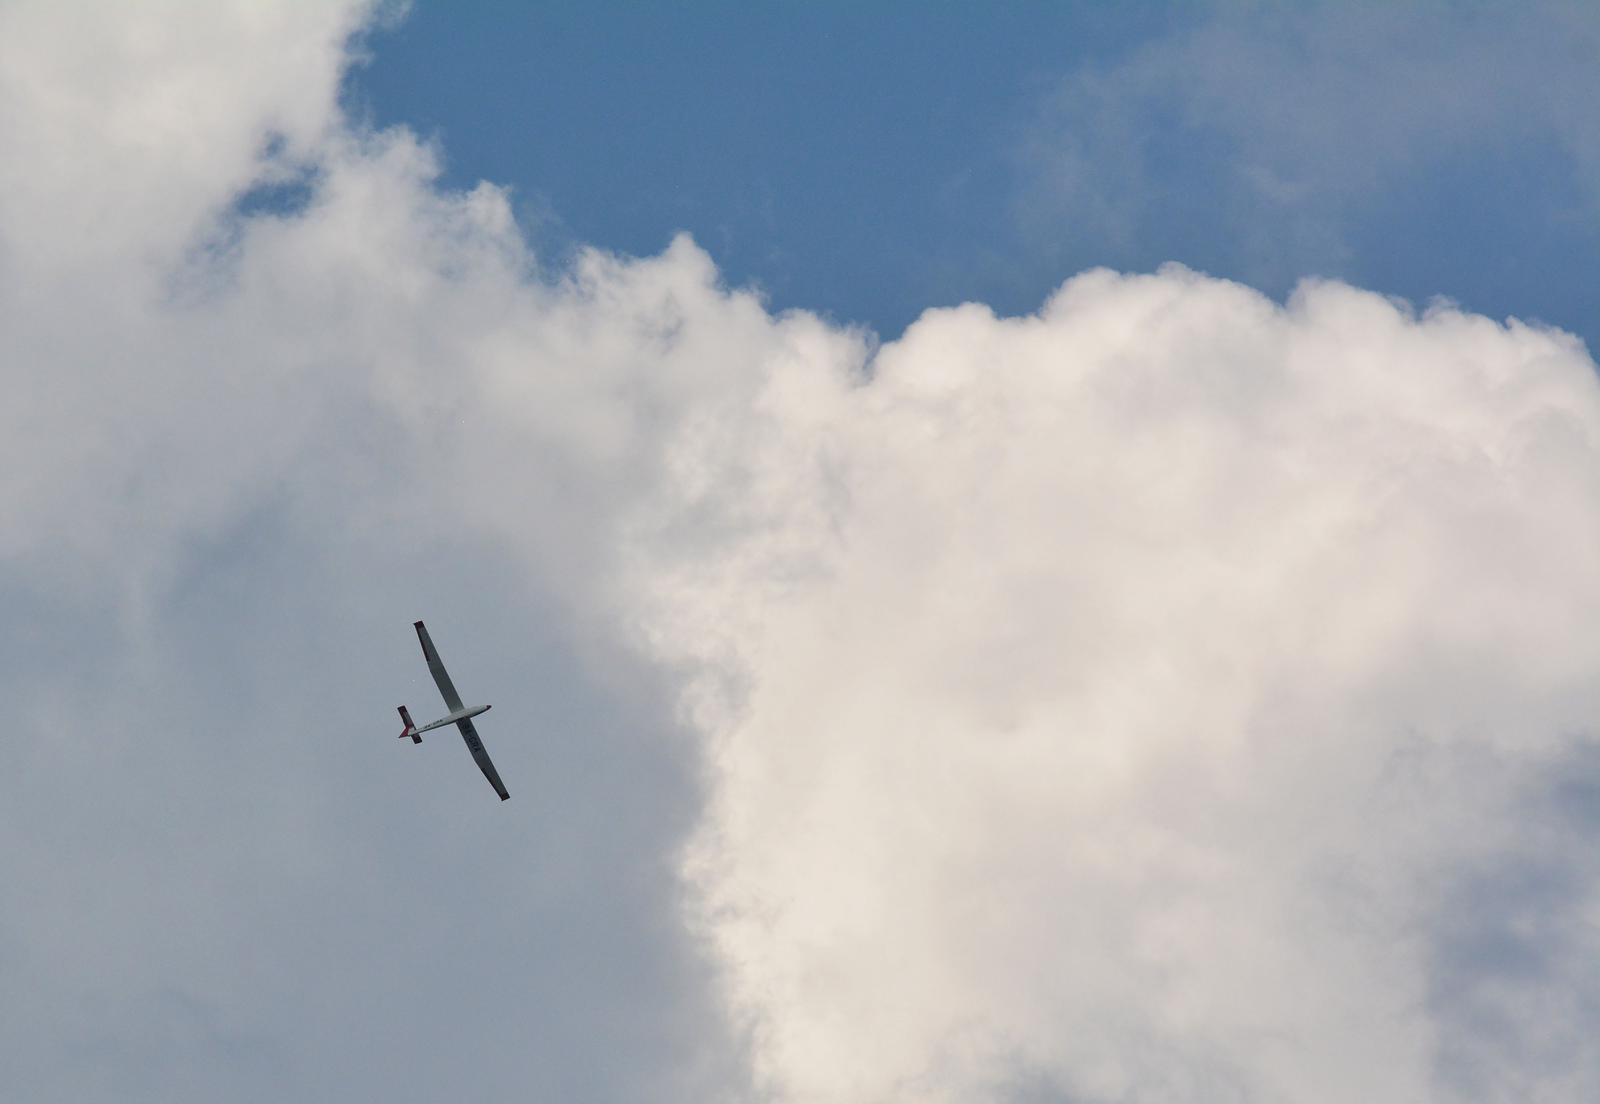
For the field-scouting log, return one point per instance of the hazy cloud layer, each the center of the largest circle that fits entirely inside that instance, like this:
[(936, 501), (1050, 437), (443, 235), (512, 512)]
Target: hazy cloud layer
[(1170, 696), (1446, 148)]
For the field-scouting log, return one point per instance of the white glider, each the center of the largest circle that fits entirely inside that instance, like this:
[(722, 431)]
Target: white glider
[(459, 715)]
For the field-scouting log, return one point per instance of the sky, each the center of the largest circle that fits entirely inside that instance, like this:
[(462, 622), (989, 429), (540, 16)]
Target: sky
[(868, 161), (1025, 553)]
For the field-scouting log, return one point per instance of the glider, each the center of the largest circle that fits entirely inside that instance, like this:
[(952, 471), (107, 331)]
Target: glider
[(459, 715)]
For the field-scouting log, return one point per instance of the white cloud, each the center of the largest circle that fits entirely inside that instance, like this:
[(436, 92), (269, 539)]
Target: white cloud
[(239, 452), (1150, 699), (1120, 689), (123, 130)]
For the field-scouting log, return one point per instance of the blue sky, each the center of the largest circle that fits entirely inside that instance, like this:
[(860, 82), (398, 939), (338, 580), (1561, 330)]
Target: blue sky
[(869, 161), (848, 158)]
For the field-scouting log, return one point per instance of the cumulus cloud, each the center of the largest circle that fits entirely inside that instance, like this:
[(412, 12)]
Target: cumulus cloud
[(243, 445), (1167, 696), (1139, 696)]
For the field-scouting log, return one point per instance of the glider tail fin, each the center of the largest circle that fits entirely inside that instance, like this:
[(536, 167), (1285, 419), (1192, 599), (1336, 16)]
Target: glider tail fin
[(411, 727)]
